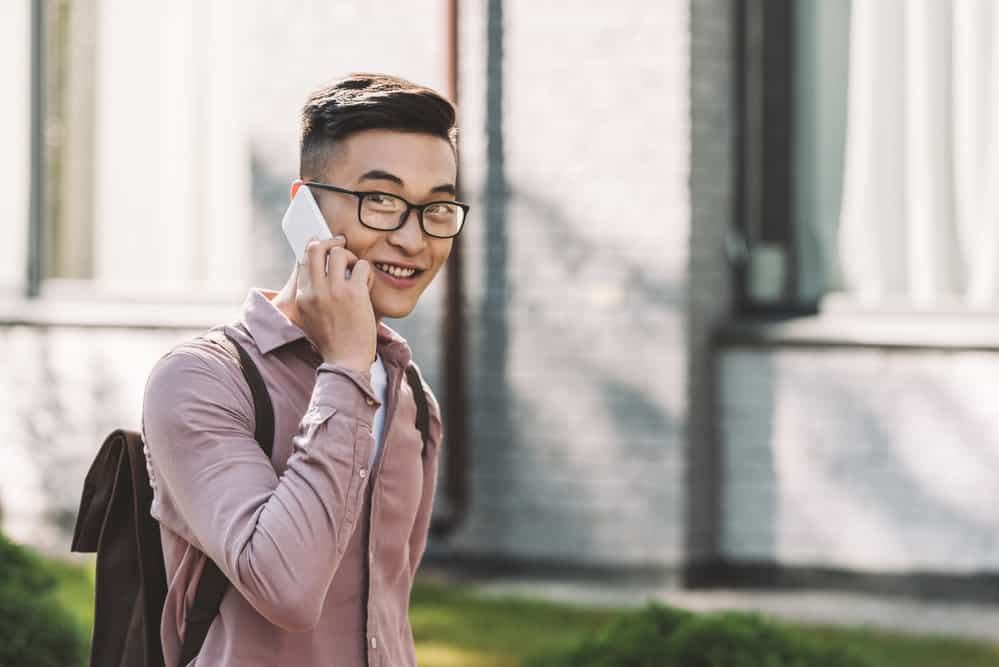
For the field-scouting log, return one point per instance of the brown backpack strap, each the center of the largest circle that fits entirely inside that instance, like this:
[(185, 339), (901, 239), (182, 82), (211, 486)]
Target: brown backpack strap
[(262, 407), (213, 584), (422, 411)]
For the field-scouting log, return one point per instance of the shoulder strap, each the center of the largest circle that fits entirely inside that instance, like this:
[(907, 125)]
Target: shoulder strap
[(212, 585), (262, 407), (422, 411)]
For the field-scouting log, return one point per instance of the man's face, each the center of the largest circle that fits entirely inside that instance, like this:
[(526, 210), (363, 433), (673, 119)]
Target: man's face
[(417, 167)]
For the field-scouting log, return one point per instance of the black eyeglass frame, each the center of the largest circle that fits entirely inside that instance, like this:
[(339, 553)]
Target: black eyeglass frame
[(361, 194)]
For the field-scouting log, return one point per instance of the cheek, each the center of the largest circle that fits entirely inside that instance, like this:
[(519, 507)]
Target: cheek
[(337, 216)]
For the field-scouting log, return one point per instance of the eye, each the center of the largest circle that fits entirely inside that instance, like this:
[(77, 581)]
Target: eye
[(441, 212), (383, 202)]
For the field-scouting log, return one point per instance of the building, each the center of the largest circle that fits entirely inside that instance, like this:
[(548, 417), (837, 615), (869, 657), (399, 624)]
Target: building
[(730, 276)]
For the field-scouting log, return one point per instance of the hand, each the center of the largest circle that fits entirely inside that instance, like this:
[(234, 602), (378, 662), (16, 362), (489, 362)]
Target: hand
[(336, 311)]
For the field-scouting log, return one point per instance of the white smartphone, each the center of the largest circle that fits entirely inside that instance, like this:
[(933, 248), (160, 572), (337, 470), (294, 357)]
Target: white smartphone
[(302, 221)]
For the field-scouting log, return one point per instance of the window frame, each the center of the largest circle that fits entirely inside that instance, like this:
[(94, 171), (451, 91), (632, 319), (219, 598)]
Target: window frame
[(765, 152)]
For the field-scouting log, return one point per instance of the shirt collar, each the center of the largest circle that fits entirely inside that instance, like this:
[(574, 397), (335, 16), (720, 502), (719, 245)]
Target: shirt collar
[(271, 329)]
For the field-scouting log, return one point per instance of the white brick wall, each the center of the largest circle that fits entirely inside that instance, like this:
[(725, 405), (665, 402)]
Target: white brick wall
[(578, 431), (63, 390), (860, 458)]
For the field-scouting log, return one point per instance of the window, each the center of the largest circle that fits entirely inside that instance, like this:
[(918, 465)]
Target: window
[(144, 174), (68, 126), (869, 151)]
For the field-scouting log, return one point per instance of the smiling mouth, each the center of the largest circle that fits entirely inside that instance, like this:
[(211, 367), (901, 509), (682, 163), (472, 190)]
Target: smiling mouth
[(398, 272)]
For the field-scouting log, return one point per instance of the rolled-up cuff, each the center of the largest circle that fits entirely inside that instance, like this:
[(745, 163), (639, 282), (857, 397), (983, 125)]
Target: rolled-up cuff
[(346, 391)]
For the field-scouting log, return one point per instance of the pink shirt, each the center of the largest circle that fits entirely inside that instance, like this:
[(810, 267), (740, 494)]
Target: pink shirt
[(319, 549)]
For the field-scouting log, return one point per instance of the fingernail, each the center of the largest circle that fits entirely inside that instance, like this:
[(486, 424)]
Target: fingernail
[(339, 237)]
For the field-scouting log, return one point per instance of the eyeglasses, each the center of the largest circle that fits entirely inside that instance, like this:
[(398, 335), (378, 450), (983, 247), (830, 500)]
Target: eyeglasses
[(387, 212)]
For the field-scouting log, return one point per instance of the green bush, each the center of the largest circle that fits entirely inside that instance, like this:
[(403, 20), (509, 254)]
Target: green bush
[(661, 636), (35, 630), (736, 639)]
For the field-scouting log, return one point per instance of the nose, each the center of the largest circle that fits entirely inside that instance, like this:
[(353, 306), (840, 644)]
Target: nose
[(409, 237)]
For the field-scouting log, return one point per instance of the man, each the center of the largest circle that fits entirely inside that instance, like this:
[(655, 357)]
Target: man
[(320, 543)]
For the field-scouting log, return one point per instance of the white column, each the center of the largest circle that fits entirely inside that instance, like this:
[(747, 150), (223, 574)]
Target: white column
[(874, 213), (976, 145), (933, 264), (921, 198), (226, 211), (15, 131), (169, 220)]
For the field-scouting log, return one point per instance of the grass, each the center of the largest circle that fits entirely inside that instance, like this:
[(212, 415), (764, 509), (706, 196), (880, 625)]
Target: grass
[(75, 590), (454, 627), (890, 649)]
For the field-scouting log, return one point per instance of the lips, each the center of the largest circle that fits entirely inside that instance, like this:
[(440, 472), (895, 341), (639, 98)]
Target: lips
[(397, 275), (397, 270)]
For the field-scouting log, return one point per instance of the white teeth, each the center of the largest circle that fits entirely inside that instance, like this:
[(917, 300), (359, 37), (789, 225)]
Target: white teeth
[(396, 271)]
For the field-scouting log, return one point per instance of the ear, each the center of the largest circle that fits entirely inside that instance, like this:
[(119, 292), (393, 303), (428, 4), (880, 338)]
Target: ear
[(295, 185)]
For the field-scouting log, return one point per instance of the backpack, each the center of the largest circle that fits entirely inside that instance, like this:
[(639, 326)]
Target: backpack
[(114, 522)]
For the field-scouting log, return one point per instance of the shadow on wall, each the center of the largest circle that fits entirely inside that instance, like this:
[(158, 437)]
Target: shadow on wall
[(578, 255), (579, 445), (867, 470), (917, 475), (576, 444)]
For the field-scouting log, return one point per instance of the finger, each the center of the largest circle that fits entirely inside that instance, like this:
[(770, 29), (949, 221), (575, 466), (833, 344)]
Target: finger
[(340, 259), (340, 238), (362, 272), (315, 253), (341, 241), (303, 273)]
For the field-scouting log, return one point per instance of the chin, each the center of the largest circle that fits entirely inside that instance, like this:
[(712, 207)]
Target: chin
[(393, 310)]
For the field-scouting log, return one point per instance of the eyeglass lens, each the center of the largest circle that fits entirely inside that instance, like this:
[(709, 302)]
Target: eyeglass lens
[(383, 211)]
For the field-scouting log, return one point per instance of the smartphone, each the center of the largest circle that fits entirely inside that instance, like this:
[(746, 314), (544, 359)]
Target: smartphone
[(302, 221)]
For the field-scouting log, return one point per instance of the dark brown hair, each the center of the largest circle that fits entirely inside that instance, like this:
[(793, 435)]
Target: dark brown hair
[(369, 102)]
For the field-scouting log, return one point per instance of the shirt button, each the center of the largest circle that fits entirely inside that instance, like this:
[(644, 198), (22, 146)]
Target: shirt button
[(369, 400), (371, 556), (374, 643), (363, 473)]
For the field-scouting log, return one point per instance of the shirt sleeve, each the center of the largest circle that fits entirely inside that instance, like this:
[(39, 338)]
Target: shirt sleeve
[(421, 525), (278, 541)]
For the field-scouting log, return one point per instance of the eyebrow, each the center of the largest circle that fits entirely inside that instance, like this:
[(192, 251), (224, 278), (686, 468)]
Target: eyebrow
[(380, 175)]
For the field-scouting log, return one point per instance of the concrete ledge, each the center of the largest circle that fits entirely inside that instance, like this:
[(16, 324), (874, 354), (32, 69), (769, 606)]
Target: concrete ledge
[(115, 314), (979, 587), (473, 567), (907, 331)]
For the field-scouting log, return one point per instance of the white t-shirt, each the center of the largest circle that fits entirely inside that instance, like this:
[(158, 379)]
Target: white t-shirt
[(379, 382)]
